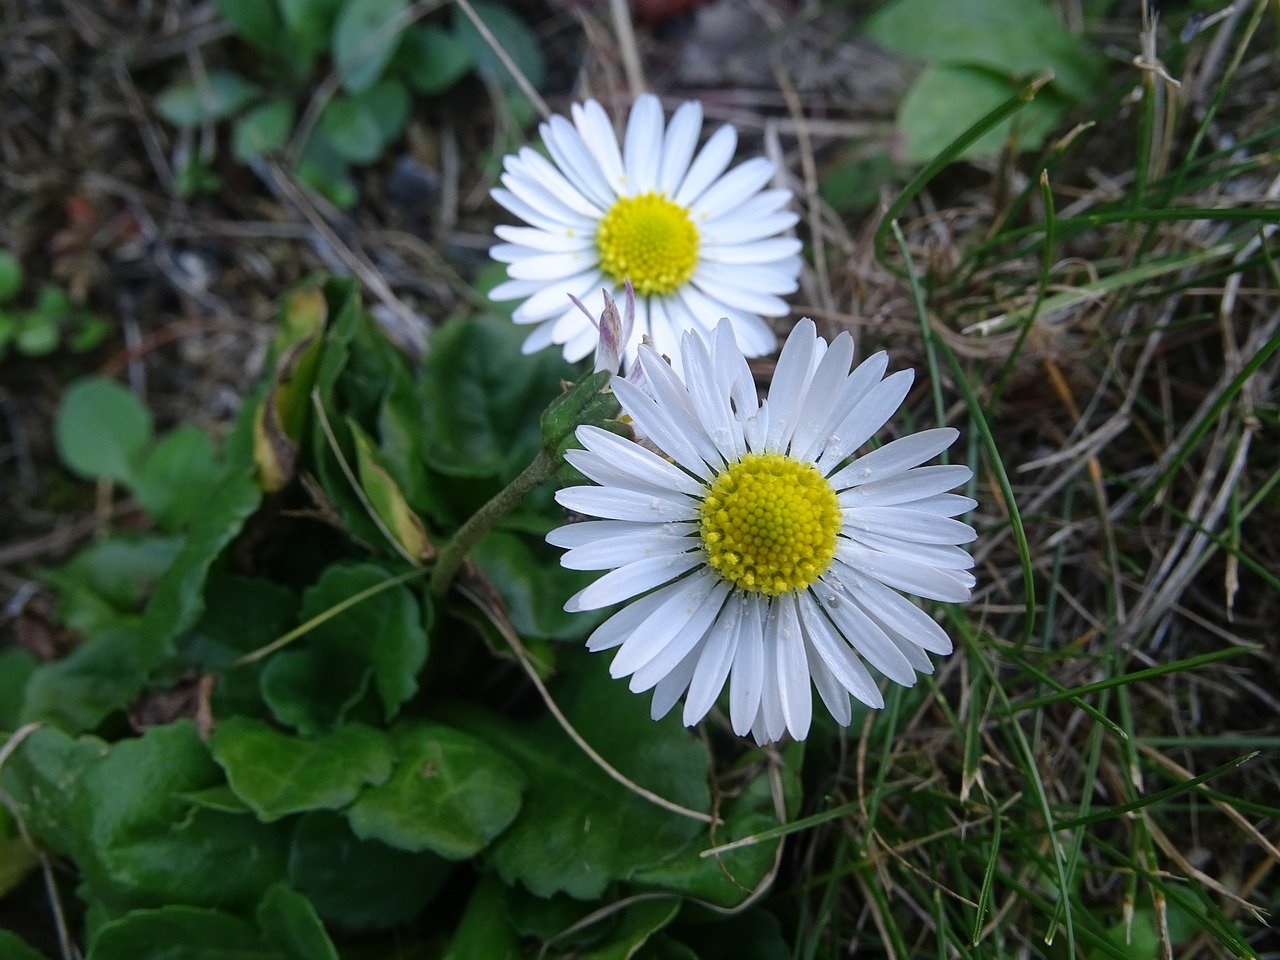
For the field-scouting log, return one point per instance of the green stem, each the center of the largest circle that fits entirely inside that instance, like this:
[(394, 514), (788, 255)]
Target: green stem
[(483, 520)]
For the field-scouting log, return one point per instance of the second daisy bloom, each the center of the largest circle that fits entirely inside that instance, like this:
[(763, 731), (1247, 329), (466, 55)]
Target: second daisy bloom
[(697, 243)]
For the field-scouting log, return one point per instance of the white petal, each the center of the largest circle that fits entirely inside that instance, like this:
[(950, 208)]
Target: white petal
[(666, 659), (610, 503), (614, 631), (621, 550), (891, 609), (833, 694), (713, 666), (541, 199), (943, 505), (757, 278), (831, 647), (746, 677), (542, 337), (668, 689), (910, 576), (597, 133), (553, 266), (869, 414), (895, 457), (678, 146), (754, 337), (864, 633), (665, 623), (513, 289), (913, 526), (749, 301), (642, 146), (630, 580), (673, 397), (903, 488), (811, 423), (944, 556), (728, 192), (576, 158), (729, 231), (583, 532), (535, 166), (790, 378), (758, 251), (551, 299), (710, 162), (566, 222), (733, 375), (792, 668), (543, 240), (653, 422), (644, 464), (710, 404)]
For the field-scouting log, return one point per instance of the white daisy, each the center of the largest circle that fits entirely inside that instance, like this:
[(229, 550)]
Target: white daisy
[(695, 242), (758, 549)]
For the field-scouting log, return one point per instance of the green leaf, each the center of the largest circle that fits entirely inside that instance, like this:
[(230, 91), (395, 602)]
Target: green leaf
[(434, 59), (174, 479), (264, 129), (179, 933), (1018, 38), (365, 37), (514, 36), (10, 276), (729, 878), (1137, 940), (755, 934), (388, 104), (276, 774), (241, 614), (579, 830), (16, 667), (309, 24), (380, 640), (534, 586), (638, 924), (106, 584), (37, 334), (101, 429), (451, 793), (290, 924), (98, 678), (44, 778), (13, 947), (323, 169), (352, 129), (946, 100), (484, 932), (148, 847), (178, 600), (191, 103), (387, 500), (356, 883), (478, 394), (256, 21)]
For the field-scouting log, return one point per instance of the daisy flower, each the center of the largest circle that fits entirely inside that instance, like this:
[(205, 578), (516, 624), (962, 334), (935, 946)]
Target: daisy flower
[(754, 547), (694, 241)]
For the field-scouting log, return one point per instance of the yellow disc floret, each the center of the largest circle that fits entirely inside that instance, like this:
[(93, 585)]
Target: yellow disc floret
[(649, 240), (769, 523)]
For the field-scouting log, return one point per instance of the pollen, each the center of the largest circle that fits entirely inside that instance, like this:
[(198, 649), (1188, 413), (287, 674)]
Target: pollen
[(650, 241), (769, 524)]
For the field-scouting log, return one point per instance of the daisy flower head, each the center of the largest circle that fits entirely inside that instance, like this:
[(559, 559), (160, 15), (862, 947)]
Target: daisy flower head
[(695, 242), (756, 547)]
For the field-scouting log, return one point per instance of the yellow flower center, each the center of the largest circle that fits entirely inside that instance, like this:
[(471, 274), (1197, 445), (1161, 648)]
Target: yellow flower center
[(649, 240), (769, 523)]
